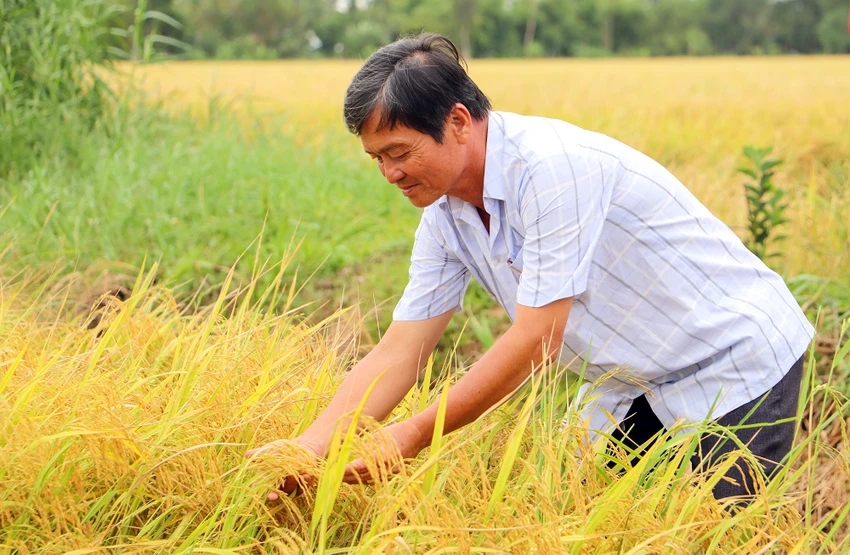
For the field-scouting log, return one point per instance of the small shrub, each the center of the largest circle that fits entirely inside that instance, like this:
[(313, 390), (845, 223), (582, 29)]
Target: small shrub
[(765, 204), (49, 55)]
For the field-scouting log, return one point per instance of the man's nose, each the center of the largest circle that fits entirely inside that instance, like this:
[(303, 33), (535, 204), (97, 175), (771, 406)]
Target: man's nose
[(393, 173)]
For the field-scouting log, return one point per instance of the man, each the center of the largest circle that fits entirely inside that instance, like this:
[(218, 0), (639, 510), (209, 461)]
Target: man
[(596, 252)]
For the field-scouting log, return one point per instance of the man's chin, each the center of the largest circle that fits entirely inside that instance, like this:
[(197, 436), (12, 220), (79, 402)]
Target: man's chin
[(421, 201)]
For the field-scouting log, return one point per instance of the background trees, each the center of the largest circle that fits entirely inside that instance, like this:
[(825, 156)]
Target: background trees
[(495, 28)]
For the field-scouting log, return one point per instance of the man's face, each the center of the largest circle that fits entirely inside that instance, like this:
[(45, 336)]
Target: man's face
[(414, 162)]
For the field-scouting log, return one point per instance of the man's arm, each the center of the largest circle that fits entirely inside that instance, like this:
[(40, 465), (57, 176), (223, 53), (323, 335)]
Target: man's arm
[(395, 362), (536, 335)]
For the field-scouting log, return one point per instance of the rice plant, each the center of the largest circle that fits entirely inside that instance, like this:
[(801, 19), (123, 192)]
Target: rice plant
[(130, 435)]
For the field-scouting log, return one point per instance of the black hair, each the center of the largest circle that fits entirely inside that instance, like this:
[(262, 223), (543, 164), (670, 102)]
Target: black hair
[(414, 81)]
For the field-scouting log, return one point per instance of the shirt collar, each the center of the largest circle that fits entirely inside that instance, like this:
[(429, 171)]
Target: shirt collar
[(494, 182)]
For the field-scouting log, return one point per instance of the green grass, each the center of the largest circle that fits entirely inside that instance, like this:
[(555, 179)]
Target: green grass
[(50, 90), (195, 196)]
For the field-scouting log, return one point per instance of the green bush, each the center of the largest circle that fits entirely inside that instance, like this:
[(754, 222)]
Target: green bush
[(50, 90), (766, 202)]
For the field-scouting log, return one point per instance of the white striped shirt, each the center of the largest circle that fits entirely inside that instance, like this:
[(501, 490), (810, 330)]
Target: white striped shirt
[(665, 295)]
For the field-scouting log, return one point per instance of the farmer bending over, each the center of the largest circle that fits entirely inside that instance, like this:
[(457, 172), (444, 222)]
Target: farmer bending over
[(593, 249)]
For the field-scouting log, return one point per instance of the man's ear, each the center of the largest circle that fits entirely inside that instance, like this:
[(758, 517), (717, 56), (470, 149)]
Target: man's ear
[(459, 123)]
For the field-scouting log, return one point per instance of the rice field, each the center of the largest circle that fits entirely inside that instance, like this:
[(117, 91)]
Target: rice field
[(129, 437), (692, 114), (124, 419)]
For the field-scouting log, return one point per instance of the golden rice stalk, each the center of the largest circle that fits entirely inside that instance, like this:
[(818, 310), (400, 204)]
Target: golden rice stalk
[(131, 436)]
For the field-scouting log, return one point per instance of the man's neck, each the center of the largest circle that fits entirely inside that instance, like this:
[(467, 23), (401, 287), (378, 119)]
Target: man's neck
[(471, 187), (485, 218)]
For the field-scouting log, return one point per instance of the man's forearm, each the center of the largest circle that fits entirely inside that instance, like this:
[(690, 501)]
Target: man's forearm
[(394, 378), (392, 366), (495, 376), (535, 337)]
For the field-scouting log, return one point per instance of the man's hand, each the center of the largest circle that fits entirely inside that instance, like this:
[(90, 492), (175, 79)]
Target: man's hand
[(399, 442), (392, 366), (292, 483)]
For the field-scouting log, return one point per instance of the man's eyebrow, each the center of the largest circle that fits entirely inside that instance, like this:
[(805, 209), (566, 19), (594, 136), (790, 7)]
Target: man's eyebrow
[(387, 148)]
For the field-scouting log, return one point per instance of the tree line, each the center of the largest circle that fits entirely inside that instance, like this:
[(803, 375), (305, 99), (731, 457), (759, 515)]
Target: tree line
[(267, 29)]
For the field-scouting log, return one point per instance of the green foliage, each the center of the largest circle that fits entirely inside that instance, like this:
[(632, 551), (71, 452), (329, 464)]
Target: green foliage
[(244, 48), (142, 35), (50, 51), (675, 28), (267, 28), (796, 24), (765, 204), (832, 31), (134, 198), (498, 28), (740, 26)]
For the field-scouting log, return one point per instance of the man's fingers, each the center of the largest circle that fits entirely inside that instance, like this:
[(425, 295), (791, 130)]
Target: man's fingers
[(289, 485), (357, 473), (292, 485)]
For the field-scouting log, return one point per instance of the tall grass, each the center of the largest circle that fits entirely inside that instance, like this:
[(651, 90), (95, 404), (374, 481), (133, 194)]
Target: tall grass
[(51, 90), (192, 196), (131, 435)]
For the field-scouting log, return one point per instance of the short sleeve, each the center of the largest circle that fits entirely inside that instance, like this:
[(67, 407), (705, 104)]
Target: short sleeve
[(438, 279), (563, 204)]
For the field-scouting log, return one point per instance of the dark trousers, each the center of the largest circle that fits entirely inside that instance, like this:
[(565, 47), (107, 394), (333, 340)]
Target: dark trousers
[(769, 443)]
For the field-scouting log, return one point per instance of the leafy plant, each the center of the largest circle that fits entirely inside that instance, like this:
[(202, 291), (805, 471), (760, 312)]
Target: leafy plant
[(51, 52), (765, 204), (141, 45)]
